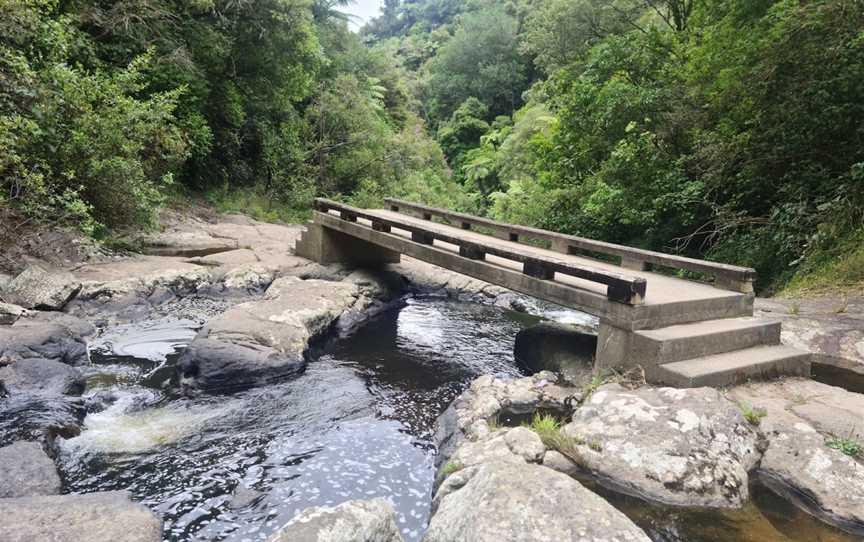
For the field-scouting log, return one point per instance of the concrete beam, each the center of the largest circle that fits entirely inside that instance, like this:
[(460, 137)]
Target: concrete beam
[(327, 246)]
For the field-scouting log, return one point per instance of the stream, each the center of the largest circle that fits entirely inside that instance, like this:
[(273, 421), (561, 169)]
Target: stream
[(357, 425)]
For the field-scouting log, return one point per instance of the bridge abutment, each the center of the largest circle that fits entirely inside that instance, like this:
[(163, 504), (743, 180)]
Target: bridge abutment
[(328, 246)]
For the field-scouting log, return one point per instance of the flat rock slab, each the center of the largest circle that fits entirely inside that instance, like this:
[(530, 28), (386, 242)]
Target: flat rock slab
[(688, 447), (801, 418), (352, 521), (830, 327), (503, 502), (38, 287), (44, 341), (27, 471), (95, 517), (257, 341), (41, 376)]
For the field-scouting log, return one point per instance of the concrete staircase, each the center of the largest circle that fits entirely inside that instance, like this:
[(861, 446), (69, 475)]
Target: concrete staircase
[(718, 353)]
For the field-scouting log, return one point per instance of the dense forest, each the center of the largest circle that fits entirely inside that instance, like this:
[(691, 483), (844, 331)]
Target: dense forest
[(726, 129)]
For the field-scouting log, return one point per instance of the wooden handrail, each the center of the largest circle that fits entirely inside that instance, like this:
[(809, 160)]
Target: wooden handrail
[(622, 288), (726, 276)]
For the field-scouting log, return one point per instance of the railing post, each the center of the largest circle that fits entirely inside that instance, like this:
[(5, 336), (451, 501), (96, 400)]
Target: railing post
[(380, 226), (536, 269), (472, 253), (422, 237)]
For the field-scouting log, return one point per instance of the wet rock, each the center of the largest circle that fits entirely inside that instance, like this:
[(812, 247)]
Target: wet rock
[(27, 471), (10, 313), (352, 521), (801, 418), (40, 288), (681, 447), (46, 341), (231, 259), (39, 418), (426, 277), (468, 417), (243, 497), (561, 348), (257, 341), (41, 376), (95, 517), (217, 366), (501, 502)]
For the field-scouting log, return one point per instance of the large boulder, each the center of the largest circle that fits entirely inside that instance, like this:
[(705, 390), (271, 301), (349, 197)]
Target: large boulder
[(561, 348), (95, 517), (27, 471), (186, 243), (806, 422), (45, 341), (688, 447), (41, 376), (490, 400), (352, 521), (40, 288), (503, 501), (258, 341)]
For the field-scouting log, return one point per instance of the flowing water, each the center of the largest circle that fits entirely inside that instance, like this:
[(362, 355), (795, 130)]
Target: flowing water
[(356, 425)]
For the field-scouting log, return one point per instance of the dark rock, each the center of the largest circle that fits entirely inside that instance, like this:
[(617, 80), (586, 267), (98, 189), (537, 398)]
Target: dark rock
[(243, 497), (40, 418), (352, 521), (27, 471), (95, 517), (215, 366), (42, 376), (46, 341), (77, 327), (39, 288), (560, 348)]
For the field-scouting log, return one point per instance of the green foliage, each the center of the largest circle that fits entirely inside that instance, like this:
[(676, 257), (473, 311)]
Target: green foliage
[(667, 124), (451, 468), (548, 428), (846, 445), (482, 61), (752, 414)]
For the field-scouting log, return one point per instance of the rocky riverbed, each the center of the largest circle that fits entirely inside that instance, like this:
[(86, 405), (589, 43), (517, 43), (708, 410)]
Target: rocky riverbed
[(122, 363)]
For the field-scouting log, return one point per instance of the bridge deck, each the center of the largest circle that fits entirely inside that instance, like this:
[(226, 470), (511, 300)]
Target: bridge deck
[(661, 289), (628, 299)]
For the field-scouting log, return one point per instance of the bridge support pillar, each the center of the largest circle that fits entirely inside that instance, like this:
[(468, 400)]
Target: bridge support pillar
[(616, 349), (327, 246)]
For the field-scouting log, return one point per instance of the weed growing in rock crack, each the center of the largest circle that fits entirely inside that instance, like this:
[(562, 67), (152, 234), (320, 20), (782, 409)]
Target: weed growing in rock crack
[(451, 468), (548, 428), (591, 386), (752, 414), (794, 309), (846, 445)]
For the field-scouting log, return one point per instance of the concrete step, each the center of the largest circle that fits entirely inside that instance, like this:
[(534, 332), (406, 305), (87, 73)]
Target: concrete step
[(756, 363), (687, 341)]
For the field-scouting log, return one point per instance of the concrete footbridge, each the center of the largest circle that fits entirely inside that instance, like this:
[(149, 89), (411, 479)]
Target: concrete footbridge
[(681, 332)]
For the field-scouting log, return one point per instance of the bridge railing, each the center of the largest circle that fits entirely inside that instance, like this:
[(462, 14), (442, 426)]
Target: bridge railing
[(731, 277), (621, 287)]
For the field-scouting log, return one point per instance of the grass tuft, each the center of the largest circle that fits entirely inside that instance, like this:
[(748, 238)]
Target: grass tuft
[(752, 414), (846, 445), (548, 428)]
